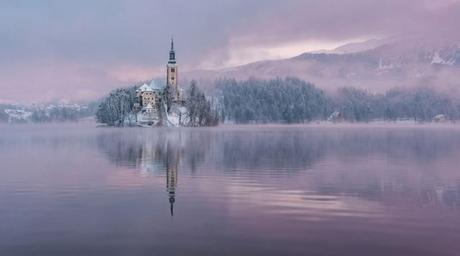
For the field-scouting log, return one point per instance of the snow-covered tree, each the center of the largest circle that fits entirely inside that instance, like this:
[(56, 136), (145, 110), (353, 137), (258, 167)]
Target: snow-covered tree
[(278, 100), (115, 109), (200, 111)]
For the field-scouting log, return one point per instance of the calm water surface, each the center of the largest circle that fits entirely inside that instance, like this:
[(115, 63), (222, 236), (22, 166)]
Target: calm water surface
[(256, 190)]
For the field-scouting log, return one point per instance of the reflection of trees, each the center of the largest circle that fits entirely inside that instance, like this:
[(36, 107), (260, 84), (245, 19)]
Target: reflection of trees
[(294, 149), (150, 150), (289, 151), (284, 149), (271, 151)]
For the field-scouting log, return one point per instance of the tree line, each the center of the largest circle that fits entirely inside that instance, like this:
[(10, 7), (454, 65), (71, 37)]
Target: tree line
[(45, 113), (292, 100), (288, 100)]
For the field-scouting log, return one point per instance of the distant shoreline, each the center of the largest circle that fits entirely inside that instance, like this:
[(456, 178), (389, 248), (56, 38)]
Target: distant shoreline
[(323, 124)]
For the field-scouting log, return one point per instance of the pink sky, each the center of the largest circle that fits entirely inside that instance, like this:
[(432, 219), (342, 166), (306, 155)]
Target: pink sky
[(61, 50)]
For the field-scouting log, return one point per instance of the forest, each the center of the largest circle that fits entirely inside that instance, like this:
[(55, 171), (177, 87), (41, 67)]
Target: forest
[(291, 100)]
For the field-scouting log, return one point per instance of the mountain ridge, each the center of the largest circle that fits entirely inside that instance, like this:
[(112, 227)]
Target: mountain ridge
[(376, 65)]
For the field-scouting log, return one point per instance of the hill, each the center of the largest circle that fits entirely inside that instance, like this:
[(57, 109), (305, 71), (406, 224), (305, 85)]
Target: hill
[(374, 65)]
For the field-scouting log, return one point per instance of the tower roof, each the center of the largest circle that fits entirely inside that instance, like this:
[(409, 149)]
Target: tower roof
[(172, 53)]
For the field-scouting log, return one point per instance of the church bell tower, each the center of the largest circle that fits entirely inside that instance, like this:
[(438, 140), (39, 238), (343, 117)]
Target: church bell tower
[(171, 75)]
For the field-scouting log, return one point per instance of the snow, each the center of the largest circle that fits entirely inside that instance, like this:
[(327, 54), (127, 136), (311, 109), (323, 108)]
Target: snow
[(149, 106), (382, 65), (156, 86), (172, 120), (440, 118), (177, 116), (18, 115), (147, 117), (437, 59), (145, 88), (360, 46)]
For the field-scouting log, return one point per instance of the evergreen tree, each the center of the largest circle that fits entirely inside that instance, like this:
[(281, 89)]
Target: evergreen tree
[(200, 112)]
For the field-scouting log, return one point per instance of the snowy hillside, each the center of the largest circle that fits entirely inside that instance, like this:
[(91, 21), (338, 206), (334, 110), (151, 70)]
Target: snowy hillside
[(17, 113), (376, 65)]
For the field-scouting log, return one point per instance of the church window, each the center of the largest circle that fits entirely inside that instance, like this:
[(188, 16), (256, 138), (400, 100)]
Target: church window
[(173, 70)]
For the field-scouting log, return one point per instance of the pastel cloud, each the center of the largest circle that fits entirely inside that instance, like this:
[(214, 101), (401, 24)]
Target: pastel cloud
[(78, 50)]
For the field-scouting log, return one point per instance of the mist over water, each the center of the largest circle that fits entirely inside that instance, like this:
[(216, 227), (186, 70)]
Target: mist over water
[(239, 190)]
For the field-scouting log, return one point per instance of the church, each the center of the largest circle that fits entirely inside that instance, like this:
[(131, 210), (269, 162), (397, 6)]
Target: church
[(161, 104)]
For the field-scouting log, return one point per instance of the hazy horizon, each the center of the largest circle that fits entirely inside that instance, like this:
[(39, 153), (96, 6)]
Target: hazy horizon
[(55, 50)]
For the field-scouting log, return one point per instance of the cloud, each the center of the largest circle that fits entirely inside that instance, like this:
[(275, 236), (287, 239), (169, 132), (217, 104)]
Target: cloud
[(92, 46)]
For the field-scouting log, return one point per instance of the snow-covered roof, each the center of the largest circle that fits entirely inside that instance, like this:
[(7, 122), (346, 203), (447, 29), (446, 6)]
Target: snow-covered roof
[(437, 59), (156, 86), (145, 88)]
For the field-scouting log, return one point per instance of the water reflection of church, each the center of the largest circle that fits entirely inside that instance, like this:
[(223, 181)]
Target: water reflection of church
[(164, 157), (155, 155), (171, 184)]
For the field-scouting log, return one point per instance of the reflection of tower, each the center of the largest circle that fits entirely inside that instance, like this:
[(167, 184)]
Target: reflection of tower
[(171, 178)]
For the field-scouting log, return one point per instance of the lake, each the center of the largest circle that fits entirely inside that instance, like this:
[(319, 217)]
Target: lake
[(233, 190)]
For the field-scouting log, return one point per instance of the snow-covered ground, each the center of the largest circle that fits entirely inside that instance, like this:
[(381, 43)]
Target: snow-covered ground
[(43, 112)]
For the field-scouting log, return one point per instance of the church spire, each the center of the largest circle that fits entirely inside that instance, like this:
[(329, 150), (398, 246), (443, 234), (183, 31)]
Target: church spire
[(172, 53), (172, 73)]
